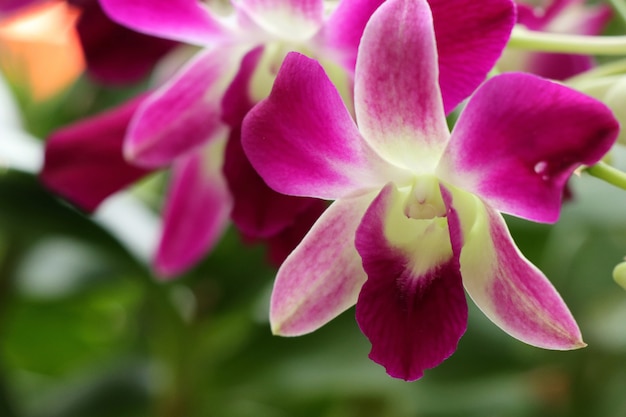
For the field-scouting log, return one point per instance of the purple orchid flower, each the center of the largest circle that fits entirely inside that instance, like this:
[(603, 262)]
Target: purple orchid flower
[(234, 70), (559, 16), (416, 215)]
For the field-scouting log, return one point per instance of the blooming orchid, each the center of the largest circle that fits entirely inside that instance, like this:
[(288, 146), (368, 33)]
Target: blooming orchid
[(558, 16), (234, 68), (417, 210)]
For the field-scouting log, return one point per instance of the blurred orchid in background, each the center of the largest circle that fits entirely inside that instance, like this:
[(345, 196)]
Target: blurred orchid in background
[(186, 122), (557, 16)]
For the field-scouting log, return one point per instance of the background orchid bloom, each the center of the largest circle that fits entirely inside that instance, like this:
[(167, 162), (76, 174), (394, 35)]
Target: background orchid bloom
[(229, 75), (557, 16), (417, 211)]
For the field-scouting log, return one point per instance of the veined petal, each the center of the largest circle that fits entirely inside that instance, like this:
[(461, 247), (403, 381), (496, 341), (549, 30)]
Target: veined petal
[(182, 20), (520, 138), (412, 307), (84, 161), (323, 275), (471, 35), (397, 98), (287, 19), (342, 31), (196, 210), (185, 112), (302, 140), (510, 290)]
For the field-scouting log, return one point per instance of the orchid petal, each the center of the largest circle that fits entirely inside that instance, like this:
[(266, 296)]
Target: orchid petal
[(412, 306), (471, 35), (258, 211), (287, 19), (185, 112), (188, 21), (280, 245), (114, 53), (302, 140), (196, 211), (398, 105), (520, 138), (323, 275), (343, 30), (511, 291), (84, 161)]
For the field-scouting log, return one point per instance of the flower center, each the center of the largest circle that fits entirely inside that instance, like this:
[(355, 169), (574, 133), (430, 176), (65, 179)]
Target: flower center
[(425, 200)]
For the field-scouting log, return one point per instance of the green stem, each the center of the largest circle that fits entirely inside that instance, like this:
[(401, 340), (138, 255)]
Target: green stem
[(609, 174), (572, 44)]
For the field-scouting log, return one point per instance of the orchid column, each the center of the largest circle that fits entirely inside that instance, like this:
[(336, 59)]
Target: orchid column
[(417, 211)]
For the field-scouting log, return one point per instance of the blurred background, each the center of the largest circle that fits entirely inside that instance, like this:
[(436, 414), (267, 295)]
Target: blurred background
[(87, 330)]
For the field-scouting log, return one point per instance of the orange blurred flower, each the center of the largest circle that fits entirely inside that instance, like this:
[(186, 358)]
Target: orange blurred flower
[(40, 49)]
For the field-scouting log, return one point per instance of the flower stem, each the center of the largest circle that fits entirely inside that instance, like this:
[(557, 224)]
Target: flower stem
[(609, 174), (573, 44)]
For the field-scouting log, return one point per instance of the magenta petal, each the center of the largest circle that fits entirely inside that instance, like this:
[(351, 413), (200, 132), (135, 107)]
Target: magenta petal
[(511, 291), (412, 307), (182, 20), (258, 211), (471, 36), (520, 138), (185, 112), (344, 28), (115, 54), (398, 104), (302, 140), (84, 161), (196, 211), (323, 275), (280, 246)]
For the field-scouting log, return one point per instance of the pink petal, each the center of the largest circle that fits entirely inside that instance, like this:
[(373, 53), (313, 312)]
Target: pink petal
[(343, 30), (185, 112), (398, 104), (237, 100), (288, 19), (511, 291), (471, 35), (258, 211), (115, 54), (412, 306), (519, 140), (302, 140), (182, 20), (196, 211), (323, 275), (84, 161)]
